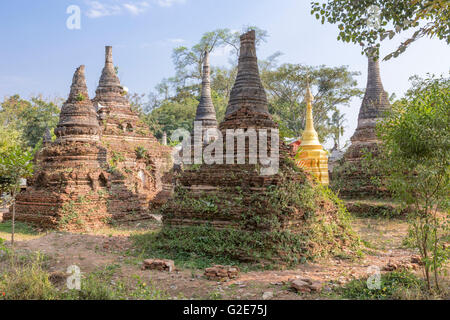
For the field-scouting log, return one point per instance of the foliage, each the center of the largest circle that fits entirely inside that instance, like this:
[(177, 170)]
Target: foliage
[(27, 282), (286, 85), (394, 285), (260, 240), (188, 61), (27, 278), (15, 164), (416, 157), (29, 118), (20, 227), (362, 23), (362, 179), (174, 103), (172, 115), (9, 138)]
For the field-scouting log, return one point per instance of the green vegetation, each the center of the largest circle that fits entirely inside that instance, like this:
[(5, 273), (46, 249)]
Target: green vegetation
[(260, 240), (416, 159), (80, 97), (367, 22), (20, 228), (394, 286), (26, 278), (15, 164), (29, 119), (173, 103)]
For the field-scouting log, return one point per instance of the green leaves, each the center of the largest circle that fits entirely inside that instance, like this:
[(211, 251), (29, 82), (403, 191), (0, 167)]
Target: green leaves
[(285, 85), (15, 164), (29, 118), (358, 17)]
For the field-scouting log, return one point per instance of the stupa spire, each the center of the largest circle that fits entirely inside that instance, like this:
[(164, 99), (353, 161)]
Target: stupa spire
[(78, 119), (47, 138), (109, 92), (248, 91), (310, 136), (205, 110), (109, 77), (374, 104), (78, 89), (312, 157)]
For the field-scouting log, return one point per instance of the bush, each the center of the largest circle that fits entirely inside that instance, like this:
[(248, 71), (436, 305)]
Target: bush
[(27, 282), (395, 285)]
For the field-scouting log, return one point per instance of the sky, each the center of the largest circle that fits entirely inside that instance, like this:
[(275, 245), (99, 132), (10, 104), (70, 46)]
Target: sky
[(39, 53)]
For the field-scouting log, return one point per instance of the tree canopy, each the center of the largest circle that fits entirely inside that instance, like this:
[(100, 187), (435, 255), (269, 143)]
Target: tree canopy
[(174, 101), (367, 22), (29, 118)]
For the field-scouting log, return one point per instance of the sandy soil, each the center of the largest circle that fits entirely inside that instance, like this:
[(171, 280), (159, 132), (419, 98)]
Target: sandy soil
[(110, 246)]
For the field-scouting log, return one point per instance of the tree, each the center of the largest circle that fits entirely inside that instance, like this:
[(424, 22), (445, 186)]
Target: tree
[(171, 115), (286, 87), (336, 124), (31, 118), (15, 164), (366, 22), (416, 158), (188, 61)]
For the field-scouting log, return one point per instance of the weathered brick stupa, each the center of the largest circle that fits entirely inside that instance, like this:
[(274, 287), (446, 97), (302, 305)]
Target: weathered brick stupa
[(353, 176), (232, 212), (139, 165), (69, 186), (206, 114), (312, 158)]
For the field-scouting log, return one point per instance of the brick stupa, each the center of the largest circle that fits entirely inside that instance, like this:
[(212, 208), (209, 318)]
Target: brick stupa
[(69, 186), (352, 176), (232, 210), (137, 160), (206, 114)]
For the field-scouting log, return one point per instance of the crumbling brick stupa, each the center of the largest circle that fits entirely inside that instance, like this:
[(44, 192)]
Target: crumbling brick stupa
[(137, 161), (354, 176), (233, 211), (103, 166), (69, 186)]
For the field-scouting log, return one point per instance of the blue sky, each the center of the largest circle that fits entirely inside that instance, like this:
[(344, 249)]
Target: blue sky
[(38, 53)]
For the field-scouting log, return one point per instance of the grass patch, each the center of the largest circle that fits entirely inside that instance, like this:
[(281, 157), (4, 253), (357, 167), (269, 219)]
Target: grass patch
[(20, 228), (104, 285), (371, 209), (199, 247), (26, 277), (399, 285)]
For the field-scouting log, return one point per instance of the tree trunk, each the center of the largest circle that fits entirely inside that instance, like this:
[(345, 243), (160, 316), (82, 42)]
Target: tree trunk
[(13, 219)]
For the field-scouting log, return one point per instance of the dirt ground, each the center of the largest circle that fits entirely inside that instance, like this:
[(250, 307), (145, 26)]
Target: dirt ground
[(111, 246)]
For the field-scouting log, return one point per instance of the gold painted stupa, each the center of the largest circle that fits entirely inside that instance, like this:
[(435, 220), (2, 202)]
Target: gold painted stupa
[(312, 157)]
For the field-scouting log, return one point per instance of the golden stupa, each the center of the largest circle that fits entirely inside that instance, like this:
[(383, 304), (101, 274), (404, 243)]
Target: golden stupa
[(312, 157)]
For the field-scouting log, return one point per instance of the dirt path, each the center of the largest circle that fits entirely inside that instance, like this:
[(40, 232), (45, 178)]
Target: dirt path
[(110, 247)]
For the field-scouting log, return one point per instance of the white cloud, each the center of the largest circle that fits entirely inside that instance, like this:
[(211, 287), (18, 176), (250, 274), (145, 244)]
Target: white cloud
[(169, 3), (97, 9), (176, 40), (136, 8)]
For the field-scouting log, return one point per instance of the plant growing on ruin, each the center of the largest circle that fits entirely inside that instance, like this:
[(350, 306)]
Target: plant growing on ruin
[(416, 156), (140, 152), (80, 97)]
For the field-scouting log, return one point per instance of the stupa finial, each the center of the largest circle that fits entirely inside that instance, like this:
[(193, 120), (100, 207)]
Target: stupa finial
[(78, 89), (205, 110), (310, 136)]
